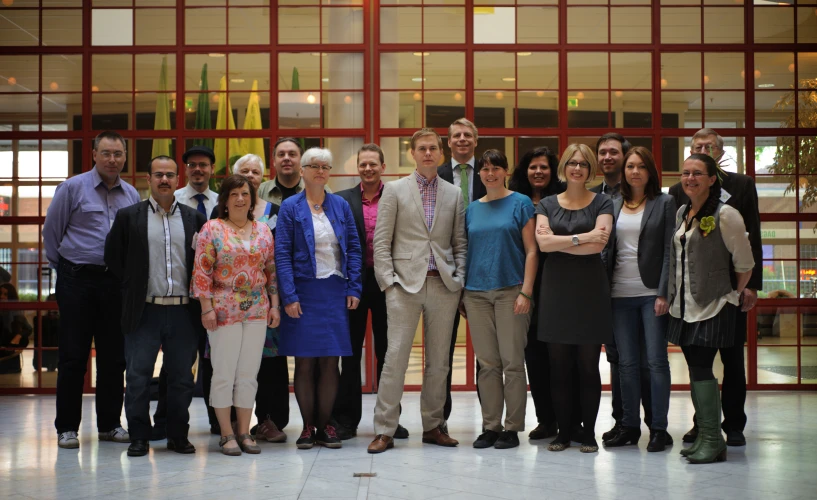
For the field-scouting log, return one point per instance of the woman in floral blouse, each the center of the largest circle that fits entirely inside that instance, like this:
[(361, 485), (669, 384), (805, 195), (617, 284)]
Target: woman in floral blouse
[(234, 278)]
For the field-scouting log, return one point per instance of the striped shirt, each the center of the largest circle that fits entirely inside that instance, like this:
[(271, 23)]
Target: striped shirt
[(428, 192)]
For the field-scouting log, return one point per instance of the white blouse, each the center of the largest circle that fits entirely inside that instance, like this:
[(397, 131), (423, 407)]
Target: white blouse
[(626, 276), (736, 239), (327, 248)]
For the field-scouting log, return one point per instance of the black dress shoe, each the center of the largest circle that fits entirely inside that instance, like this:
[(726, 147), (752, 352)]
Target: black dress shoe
[(401, 432), (180, 445), (611, 433), (735, 438), (138, 448), (344, 432), (486, 439), (625, 436), (158, 433), (543, 431), (692, 435), (659, 441)]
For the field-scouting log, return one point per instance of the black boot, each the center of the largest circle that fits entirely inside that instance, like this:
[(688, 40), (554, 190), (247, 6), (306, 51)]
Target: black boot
[(625, 436)]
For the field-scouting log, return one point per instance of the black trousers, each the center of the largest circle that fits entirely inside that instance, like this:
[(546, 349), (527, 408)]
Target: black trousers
[(733, 389), (171, 328), (90, 310), (349, 401), (537, 362)]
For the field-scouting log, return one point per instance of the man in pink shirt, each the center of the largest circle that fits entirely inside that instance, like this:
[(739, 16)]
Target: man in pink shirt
[(363, 199)]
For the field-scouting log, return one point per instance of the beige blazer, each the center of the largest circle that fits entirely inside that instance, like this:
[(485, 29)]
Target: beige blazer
[(402, 239)]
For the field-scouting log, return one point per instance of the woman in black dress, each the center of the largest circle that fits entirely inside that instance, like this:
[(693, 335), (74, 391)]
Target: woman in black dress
[(574, 301)]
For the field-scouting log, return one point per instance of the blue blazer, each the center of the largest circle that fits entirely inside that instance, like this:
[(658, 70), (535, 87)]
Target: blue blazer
[(295, 244)]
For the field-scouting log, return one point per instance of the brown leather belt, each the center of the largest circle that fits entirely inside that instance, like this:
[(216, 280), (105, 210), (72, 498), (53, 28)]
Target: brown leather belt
[(433, 272)]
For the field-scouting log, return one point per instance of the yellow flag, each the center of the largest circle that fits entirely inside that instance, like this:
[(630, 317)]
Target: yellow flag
[(161, 147), (252, 121), (224, 148)]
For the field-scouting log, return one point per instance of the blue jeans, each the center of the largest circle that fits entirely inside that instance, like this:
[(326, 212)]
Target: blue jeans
[(627, 314)]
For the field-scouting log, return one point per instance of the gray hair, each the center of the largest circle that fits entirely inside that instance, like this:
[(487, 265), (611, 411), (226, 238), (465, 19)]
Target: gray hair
[(706, 132), (320, 154), (249, 158)]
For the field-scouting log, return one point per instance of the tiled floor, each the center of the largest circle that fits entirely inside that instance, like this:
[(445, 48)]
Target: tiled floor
[(780, 461)]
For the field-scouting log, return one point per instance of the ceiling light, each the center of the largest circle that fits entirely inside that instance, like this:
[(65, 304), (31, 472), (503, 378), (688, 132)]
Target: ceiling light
[(310, 99), (418, 54), (215, 54), (457, 96), (523, 54), (766, 85), (499, 96), (418, 79), (237, 80), (509, 79), (324, 80)]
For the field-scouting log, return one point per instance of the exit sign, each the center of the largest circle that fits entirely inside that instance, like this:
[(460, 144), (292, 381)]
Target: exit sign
[(572, 102)]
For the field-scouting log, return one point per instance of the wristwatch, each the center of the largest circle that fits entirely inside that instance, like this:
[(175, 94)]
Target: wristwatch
[(575, 240)]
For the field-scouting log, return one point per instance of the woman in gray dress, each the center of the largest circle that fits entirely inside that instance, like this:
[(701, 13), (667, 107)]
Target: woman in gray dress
[(574, 300)]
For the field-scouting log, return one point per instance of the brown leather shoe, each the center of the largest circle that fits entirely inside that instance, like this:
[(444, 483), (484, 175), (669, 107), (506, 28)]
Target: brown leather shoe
[(439, 437), (381, 443)]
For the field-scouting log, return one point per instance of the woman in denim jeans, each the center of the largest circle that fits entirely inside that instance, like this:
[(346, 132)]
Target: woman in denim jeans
[(638, 259)]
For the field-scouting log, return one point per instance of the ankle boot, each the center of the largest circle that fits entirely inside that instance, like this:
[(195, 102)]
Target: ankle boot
[(697, 443), (713, 446), (625, 436)]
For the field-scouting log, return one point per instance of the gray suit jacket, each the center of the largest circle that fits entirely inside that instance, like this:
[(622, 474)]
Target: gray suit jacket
[(402, 238), (654, 240)]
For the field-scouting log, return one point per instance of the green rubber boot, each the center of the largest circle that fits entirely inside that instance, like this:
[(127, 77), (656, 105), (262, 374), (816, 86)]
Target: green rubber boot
[(692, 449), (713, 446)]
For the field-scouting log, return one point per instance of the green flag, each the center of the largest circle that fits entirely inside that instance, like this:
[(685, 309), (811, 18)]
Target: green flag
[(162, 119)]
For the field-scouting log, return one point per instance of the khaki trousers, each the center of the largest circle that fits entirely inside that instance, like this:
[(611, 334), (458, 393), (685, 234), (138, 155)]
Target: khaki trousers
[(235, 352), (438, 306), (499, 337)]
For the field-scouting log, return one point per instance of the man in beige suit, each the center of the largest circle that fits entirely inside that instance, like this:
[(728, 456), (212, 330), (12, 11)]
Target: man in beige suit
[(419, 261)]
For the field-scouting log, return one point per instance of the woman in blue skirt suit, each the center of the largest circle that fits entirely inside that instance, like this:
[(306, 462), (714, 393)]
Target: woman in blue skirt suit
[(319, 262)]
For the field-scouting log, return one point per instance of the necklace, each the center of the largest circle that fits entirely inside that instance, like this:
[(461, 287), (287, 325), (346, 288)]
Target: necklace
[(240, 228), (634, 206), (316, 206)]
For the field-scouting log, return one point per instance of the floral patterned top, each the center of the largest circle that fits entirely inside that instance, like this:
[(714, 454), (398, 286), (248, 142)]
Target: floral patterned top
[(236, 279)]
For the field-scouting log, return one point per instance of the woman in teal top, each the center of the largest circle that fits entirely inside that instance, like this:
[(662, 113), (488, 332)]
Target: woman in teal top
[(500, 272)]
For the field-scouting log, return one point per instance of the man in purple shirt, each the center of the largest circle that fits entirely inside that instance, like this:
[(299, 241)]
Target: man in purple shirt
[(78, 221)]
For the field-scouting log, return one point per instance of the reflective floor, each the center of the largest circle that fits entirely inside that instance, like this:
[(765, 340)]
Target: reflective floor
[(779, 461)]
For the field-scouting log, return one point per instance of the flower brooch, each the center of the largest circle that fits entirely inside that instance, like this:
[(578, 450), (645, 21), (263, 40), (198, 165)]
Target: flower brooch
[(707, 225)]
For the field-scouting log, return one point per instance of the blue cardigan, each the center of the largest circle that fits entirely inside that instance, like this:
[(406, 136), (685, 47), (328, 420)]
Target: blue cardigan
[(295, 244)]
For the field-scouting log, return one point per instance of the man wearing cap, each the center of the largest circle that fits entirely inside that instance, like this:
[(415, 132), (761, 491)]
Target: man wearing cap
[(150, 251), (197, 194)]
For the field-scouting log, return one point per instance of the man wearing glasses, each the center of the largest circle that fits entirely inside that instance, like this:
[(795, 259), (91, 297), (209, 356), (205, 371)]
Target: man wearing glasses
[(197, 194), (738, 191), (78, 220), (150, 250)]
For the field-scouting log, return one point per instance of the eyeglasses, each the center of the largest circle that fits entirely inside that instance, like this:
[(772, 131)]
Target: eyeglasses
[(703, 148), (696, 174), (158, 175), (116, 154), (325, 168), (580, 164), (202, 165)]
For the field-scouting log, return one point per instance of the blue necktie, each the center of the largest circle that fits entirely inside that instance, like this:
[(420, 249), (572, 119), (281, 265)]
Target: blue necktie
[(201, 197)]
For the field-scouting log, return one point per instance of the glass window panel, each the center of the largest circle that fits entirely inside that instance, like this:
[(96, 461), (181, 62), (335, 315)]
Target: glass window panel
[(112, 72), (808, 193), (494, 25), (681, 70), (402, 109), (587, 70), (342, 71), (777, 325), (205, 26), (632, 109), (19, 73), (494, 70), (19, 28), (779, 239), (773, 109), (807, 109), (494, 109), (342, 25), (57, 158), (192, 102), (62, 27), (247, 68), (808, 154), (112, 3), (149, 70), (683, 108), (444, 25), (299, 110), (630, 25), (777, 365), (343, 109), (20, 110), (308, 66), (537, 25), (631, 70), (774, 24), (537, 70), (672, 156), (240, 101), (146, 103), (723, 25), (401, 70), (400, 24), (808, 355), (725, 109), (216, 68), (537, 109), (806, 68), (344, 153), (772, 70), (723, 70), (248, 25), (588, 109), (808, 279), (444, 70), (205, 2), (681, 25), (62, 109), (806, 25), (155, 27), (157, 3), (776, 194), (111, 111), (62, 73), (112, 27), (809, 336), (587, 25), (775, 155), (780, 281), (440, 106)]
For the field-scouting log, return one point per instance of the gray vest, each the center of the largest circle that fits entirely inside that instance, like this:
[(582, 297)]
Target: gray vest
[(707, 259)]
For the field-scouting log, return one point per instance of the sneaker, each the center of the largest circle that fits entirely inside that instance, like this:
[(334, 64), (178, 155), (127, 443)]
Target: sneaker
[(307, 439), (68, 440), (486, 439), (268, 431), (507, 439), (328, 437), (118, 435)]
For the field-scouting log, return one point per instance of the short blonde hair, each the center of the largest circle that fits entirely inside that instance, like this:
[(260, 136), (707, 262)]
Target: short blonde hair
[(589, 157), (425, 132), (466, 123)]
